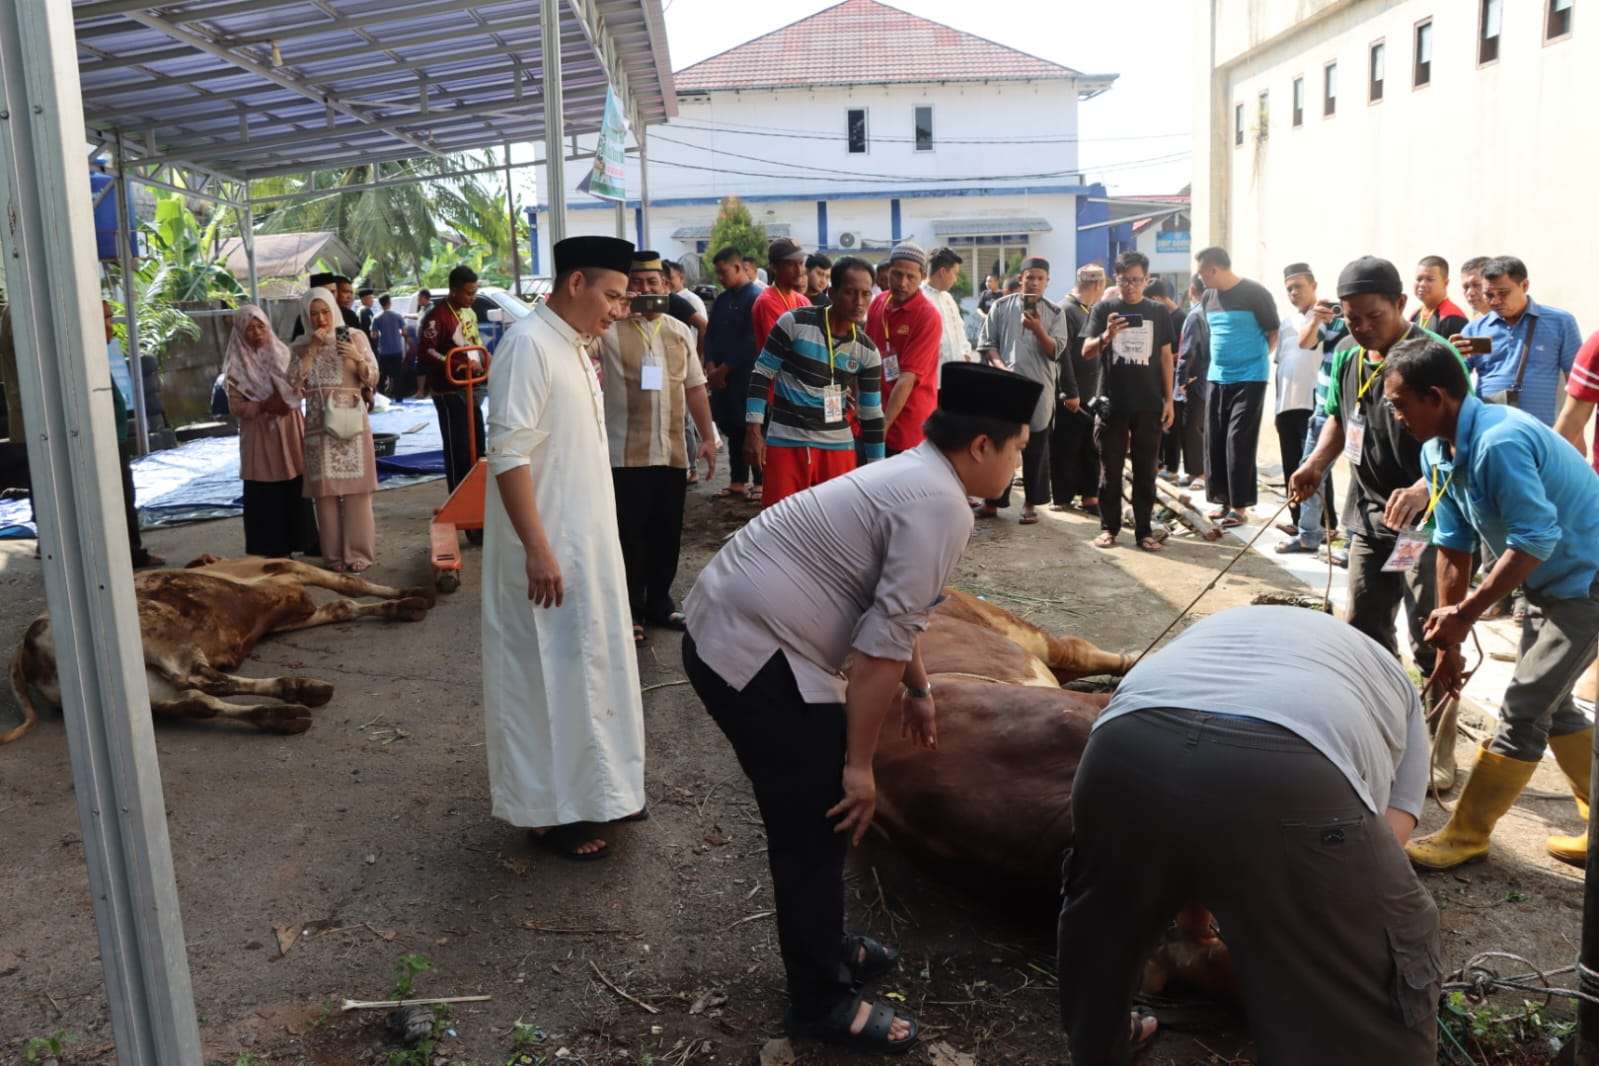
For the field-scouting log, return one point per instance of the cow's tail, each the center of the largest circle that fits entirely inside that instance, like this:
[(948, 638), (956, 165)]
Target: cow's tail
[(19, 685)]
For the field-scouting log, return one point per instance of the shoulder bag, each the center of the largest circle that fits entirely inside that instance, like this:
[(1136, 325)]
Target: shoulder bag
[(1511, 397)]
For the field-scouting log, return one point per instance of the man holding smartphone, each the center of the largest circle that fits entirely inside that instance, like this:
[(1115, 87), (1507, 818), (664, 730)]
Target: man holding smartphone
[(1133, 335), (652, 378), (1529, 345)]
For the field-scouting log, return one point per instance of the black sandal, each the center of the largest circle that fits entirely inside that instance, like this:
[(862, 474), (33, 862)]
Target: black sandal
[(834, 1028), (640, 815), (564, 840), (877, 959), (676, 620)]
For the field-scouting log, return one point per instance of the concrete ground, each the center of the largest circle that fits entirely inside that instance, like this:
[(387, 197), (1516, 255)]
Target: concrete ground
[(369, 838)]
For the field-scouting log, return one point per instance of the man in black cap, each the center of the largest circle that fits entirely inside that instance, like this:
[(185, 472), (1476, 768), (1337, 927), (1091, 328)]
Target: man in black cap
[(800, 679), (1389, 494), (565, 725)]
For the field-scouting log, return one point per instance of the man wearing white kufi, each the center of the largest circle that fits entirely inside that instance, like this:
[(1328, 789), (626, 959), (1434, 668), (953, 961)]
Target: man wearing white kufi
[(561, 700)]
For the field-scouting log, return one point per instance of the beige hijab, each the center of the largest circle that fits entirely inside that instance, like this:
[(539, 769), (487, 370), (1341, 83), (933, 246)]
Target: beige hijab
[(256, 373)]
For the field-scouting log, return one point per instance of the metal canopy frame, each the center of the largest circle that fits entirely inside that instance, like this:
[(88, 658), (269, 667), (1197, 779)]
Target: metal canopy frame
[(201, 97)]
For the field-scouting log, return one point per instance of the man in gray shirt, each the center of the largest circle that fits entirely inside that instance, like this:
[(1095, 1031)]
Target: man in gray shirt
[(1026, 333), (801, 633), (1268, 765)]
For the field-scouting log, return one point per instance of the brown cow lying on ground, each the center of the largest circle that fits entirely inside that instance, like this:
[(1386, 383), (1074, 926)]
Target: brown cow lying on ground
[(199, 622)]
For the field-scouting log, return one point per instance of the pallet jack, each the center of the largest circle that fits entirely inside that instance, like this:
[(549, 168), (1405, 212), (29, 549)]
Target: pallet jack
[(464, 509)]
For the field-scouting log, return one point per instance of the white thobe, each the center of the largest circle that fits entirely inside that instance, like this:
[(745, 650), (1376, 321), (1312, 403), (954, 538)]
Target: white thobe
[(953, 347), (561, 699)]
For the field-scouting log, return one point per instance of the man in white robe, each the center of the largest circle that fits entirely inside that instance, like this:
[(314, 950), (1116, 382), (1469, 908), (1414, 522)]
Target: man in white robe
[(561, 699)]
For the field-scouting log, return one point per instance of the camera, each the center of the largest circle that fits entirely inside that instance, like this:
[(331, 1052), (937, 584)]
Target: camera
[(1099, 406)]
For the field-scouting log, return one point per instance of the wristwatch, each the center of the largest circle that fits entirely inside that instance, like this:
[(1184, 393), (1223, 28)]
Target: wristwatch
[(918, 693)]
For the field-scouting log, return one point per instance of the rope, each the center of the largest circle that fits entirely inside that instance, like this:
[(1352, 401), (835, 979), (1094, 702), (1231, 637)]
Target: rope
[(1438, 736), (1212, 584), (1478, 981)]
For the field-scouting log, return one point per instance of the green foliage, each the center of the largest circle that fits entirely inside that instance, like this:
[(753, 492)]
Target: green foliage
[(182, 266), (40, 1048), (406, 971), (525, 1034), (736, 227), (1465, 1027)]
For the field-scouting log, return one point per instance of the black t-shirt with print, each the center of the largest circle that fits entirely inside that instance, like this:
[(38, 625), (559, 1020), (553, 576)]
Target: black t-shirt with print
[(1132, 368)]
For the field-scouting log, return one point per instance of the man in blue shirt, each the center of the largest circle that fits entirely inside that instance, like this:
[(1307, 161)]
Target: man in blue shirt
[(1532, 344), (1242, 320), (1503, 480), (729, 358), (388, 340)]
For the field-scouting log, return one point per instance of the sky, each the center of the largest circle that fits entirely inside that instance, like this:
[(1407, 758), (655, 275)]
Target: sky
[(1145, 115)]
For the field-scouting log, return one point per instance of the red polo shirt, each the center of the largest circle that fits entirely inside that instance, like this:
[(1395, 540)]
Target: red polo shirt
[(908, 336), (1583, 384), (770, 306)]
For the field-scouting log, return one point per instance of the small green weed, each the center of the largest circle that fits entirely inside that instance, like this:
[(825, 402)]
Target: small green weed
[(40, 1048), (406, 971)]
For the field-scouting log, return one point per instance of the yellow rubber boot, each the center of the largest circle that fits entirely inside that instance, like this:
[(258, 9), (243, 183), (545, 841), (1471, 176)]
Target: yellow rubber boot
[(1574, 753), (1493, 786)]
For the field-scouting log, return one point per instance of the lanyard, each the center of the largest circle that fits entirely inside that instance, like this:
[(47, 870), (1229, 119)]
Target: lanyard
[(1435, 494), (827, 331), (648, 336), (1376, 371)]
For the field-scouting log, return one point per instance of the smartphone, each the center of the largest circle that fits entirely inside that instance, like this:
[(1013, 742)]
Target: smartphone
[(341, 334), (1479, 345), (651, 303), (1133, 321), (1030, 302)]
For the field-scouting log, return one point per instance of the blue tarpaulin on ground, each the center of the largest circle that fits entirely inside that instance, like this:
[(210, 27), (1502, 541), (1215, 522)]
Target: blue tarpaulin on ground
[(200, 479)]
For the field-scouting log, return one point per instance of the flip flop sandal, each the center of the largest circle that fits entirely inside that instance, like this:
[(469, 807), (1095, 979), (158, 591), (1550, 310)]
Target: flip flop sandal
[(1104, 540), (640, 815), (1149, 544), (676, 620), (873, 1037), (1028, 520), (1230, 521), (728, 494), (866, 958), (1217, 515), (639, 636), (564, 840), (1140, 1043)]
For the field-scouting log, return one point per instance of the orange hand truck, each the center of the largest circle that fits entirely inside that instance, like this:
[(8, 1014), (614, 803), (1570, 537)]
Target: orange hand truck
[(464, 509)]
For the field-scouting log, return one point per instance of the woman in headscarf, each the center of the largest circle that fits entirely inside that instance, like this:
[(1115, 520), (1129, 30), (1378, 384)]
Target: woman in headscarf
[(332, 364), (277, 516)]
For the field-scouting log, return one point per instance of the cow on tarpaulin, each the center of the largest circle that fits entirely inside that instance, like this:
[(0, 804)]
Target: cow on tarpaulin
[(200, 622)]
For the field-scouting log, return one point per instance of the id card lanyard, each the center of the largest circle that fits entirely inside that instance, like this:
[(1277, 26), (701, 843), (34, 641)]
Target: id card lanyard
[(1413, 543), (652, 376), (833, 395)]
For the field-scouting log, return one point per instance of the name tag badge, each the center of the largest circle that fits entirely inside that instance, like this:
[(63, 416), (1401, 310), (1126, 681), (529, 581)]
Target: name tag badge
[(833, 404), (1407, 552), (1355, 439), (652, 377), (890, 367)]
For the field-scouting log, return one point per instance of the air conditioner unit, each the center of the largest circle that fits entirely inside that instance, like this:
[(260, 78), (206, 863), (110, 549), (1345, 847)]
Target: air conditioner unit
[(848, 239)]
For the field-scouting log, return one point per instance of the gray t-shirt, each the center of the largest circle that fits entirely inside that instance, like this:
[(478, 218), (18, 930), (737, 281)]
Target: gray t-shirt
[(1315, 676), (1004, 333)]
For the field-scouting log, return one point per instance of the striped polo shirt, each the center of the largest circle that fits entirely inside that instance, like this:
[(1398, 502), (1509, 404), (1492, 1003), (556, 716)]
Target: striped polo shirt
[(795, 359)]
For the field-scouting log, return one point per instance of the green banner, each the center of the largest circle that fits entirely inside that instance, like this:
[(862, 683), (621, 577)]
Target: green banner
[(608, 178)]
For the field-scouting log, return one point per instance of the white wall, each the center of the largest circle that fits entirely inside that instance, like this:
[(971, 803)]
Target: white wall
[(1493, 159)]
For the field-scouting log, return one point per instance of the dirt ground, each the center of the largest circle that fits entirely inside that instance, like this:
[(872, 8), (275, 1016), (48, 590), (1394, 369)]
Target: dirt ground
[(370, 836)]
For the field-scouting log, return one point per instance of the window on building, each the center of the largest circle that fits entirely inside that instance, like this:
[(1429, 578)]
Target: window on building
[(857, 130), (1558, 24), (924, 129), (1299, 101), (1421, 74), (1488, 26), (1238, 124), (1379, 58), (1329, 89), (1263, 115)]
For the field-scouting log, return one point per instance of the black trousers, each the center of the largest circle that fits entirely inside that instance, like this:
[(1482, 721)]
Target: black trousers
[(279, 520), (793, 754), (739, 472), (1136, 434), (453, 428), (1035, 472), (1291, 429), (1334, 941), (391, 374), (1232, 424), (649, 517), (1189, 415), (1377, 595), (1073, 457)]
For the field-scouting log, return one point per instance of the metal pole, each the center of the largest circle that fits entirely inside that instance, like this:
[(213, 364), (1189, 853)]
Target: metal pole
[(88, 576), (621, 219), (644, 182), (247, 235), (510, 211), (130, 304), (554, 118)]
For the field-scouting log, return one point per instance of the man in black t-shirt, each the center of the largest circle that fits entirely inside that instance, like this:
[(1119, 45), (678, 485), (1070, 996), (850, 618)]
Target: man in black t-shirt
[(1134, 337), (1073, 458)]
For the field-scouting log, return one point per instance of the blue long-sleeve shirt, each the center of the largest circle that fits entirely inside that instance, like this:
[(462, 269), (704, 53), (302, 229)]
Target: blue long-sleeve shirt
[(1512, 482)]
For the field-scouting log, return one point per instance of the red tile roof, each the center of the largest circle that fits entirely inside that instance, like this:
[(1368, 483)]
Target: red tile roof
[(863, 42)]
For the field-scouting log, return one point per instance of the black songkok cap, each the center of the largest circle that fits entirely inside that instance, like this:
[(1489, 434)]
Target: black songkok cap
[(988, 392), (1370, 274), (1034, 263), (323, 281), (597, 253), (1294, 270)]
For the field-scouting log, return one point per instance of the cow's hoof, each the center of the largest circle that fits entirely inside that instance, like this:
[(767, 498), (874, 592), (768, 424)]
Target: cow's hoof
[(419, 592), (447, 581), (310, 691), (284, 718), (410, 609)]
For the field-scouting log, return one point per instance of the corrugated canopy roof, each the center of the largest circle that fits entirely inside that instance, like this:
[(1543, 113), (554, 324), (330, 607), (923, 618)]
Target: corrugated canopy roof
[(289, 255), (863, 42), (247, 88), (983, 227)]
